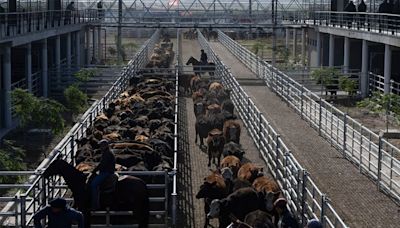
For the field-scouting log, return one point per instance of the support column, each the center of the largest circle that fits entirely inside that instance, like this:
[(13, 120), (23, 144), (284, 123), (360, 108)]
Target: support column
[(331, 50), (28, 65), (364, 80), (287, 39), (78, 49), (387, 68), (318, 49), (7, 86), (95, 43), (58, 58), (303, 46), (99, 48), (294, 44), (88, 53), (45, 82), (346, 62), (69, 48)]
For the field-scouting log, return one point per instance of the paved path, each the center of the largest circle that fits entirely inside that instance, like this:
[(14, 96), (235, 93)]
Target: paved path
[(192, 161), (353, 195)]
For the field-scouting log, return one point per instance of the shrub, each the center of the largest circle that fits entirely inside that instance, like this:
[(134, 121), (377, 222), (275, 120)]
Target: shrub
[(76, 99), (348, 85), (326, 76), (34, 112), (11, 159)]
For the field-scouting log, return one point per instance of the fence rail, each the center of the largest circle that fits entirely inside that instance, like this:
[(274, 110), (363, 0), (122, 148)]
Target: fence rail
[(20, 23), (305, 199), (25, 203), (374, 155)]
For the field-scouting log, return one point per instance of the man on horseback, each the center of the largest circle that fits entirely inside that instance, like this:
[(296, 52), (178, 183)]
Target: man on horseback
[(59, 215), (106, 168), (203, 58)]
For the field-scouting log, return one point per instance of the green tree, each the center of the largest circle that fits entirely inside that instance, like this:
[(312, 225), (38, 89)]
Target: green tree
[(11, 158), (76, 99), (112, 51), (388, 104), (348, 85), (84, 75), (34, 112), (326, 76), (257, 47)]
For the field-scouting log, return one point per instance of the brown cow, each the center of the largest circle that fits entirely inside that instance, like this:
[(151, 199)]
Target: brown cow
[(214, 187), (231, 162), (215, 86), (266, 184), (232, 131), (213, 109), (215, 143), (250, 172)]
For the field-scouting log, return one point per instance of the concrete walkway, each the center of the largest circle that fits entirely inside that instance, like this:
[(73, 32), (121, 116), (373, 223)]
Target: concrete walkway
[(353, 195)]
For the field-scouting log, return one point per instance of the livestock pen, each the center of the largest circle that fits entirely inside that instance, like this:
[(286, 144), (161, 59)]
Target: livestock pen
[(39, 190)]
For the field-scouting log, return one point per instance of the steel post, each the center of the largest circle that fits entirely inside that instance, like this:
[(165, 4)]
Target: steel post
[(364, 79), (346, 61), (387, 68), (28, 66), (7, 86), (331, 50), (44, 64)]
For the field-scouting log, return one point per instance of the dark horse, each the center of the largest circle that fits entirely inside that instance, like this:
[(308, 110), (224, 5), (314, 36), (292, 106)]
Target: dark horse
[(199, 68), (130, 193)]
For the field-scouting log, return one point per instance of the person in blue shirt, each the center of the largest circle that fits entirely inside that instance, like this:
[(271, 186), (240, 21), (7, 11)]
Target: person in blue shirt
[(106, 168), (59, 215)]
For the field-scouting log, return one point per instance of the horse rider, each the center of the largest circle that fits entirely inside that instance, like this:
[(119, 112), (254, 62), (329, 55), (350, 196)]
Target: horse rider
[(106, 168), (59, 215), (203, 57), (313, 223)]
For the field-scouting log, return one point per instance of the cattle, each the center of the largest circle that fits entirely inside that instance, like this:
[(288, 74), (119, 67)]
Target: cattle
[(232, 148), (269, 187), (215, 86), (228, 106), (250, 172), (215, 146), (213, 188), (260, 219), (232, 163), (201, 129), (199, 108), (184, 82), (237, 204), (194, 81), (232, 131)]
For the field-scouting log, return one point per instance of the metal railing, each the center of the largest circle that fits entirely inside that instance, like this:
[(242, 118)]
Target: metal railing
[(21, 23), (25, 203), (374, 155), (377, 83), (388, 24), (304, 198)]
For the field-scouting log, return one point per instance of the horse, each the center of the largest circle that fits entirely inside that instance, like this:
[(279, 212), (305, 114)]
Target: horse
[(199, 68), (130, 193)]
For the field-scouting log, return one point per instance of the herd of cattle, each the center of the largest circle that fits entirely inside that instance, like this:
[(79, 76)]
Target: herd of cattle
[(237, 190), (139, 124)]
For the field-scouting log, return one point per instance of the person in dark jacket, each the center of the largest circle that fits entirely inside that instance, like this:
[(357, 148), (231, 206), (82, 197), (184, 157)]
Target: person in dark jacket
[(203, 58), (59, 215), (386, 8), (361, 8), (284, 219), (68, 12), (351, 8), (106, 168)]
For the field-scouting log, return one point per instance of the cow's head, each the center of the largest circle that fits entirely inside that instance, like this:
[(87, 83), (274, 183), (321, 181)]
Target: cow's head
[(227, 173), (215, 208), (269, 199)]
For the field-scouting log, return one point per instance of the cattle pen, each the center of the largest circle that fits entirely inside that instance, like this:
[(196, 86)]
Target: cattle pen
[(264, 140)]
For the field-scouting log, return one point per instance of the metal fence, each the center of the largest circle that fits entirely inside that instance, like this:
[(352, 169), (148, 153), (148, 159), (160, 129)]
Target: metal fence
[(374, 155), (305, 199), (25, 203), (377, 83), (21, 23)]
